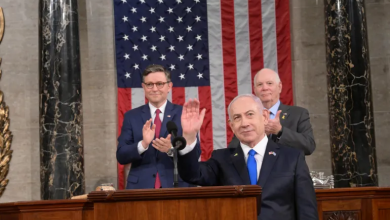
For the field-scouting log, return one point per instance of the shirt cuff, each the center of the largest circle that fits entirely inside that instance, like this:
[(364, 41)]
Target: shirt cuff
[(141, 148), (188, 148)]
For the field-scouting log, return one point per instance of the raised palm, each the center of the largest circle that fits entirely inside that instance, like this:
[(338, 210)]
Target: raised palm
[(191, 119)]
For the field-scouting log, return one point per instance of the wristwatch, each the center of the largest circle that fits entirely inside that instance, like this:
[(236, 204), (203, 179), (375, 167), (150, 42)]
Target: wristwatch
[(170, 152), (279, 133)]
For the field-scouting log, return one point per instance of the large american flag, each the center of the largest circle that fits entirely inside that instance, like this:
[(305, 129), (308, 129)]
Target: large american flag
[(212, 48)]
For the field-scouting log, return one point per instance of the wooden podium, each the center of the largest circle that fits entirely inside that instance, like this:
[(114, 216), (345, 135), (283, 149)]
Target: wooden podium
[(195, 203)]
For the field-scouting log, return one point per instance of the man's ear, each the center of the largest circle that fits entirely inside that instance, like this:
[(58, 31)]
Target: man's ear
[(231, 125), (280, 87)]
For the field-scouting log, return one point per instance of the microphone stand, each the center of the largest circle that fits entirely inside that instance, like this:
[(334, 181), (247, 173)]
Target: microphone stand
[(178, 144), (175, 171)]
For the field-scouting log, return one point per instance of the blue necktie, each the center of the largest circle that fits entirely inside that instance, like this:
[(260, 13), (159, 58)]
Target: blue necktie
[(252, 167)]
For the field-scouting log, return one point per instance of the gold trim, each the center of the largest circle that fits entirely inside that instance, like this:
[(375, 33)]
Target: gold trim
[(5, 133), (1, 24)]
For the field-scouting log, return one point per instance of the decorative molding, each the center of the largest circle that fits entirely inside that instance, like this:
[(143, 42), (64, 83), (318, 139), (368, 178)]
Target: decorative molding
[(1, 24), (176, 193), (341, 215), (5, 133)]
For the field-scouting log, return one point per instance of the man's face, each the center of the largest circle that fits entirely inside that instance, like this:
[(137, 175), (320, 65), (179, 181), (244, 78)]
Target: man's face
[(156, 96), (247, 121), (266, 87)]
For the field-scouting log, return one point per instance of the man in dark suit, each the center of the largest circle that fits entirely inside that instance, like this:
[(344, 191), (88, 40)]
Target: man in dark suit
[(148, 147), (281, 171), (288, 125)]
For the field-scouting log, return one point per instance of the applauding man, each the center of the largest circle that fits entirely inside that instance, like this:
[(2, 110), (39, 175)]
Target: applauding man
[(281, 171), (144, 141), (287, 125)]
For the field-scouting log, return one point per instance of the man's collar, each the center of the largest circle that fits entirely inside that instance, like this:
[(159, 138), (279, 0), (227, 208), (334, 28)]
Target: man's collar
[(274, 108), (259, 148), (162, 108)]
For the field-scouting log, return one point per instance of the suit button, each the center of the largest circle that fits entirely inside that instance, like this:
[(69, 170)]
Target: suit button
[(154, 175)]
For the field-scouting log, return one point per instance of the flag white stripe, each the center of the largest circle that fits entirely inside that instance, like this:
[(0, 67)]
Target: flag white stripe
[(170, 96), (269, 34), (137, 97), (216, 74), (243, 57), (191, 93)]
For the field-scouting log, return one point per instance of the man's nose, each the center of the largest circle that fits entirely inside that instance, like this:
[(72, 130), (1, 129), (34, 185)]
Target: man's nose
[(244, 122)]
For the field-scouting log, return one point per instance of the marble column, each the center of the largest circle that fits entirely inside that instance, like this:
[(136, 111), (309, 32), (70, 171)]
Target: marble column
[(349, 94), (61, 142)]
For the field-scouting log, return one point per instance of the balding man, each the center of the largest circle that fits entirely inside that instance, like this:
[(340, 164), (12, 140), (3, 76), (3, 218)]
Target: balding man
[(287, 188), (288, 125)]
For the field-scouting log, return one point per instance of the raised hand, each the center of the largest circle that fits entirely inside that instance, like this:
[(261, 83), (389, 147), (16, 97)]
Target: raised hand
[(148, 133), (191, 120), (273, 126), (162, 144)]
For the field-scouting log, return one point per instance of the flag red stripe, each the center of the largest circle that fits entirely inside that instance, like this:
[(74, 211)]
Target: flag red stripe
[(255, 37), (178, 95), (206, 131), (282, 13), (124, 105), (229, 57)]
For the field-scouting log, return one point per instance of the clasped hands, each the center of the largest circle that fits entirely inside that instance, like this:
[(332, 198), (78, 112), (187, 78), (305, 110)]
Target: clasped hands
[(273, 126), (148, 133), (191, 122)]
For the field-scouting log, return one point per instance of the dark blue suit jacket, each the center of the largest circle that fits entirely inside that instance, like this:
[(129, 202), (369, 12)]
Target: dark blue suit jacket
[(145, 166), (287, 188)]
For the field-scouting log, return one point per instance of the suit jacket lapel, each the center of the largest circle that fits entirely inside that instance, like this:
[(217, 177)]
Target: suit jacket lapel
[(145, 114), (168, 116), (284, 114), (268, 162), (238, 159)]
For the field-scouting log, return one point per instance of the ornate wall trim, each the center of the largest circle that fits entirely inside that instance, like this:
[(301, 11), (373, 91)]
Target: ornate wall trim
[(5, 133)]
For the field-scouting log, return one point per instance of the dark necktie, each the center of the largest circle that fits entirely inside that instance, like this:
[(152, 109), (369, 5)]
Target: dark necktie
[(157, 122)]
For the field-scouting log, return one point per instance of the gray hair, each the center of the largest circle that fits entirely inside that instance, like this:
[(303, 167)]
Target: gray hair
[(154, 68), (255, 98), (277, 78)]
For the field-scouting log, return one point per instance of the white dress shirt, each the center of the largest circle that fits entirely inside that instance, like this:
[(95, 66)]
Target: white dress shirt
[(153, 109), (260, 151)]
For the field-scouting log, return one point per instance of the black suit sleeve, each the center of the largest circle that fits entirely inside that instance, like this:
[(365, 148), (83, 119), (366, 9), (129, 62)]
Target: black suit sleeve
[(305, 197), (302, 138), (198, 173)]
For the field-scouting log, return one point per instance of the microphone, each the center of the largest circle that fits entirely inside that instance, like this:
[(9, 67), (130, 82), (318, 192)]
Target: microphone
[(178, 143), (172, 128)]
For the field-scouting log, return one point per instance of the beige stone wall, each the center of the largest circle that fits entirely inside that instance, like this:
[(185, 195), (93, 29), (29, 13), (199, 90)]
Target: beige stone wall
[(99, 91), (20, 80), (378, 28), (19, 52), (309, 74)]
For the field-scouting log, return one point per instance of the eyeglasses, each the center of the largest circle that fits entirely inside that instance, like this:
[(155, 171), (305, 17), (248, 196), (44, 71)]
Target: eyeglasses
[(159, 85)]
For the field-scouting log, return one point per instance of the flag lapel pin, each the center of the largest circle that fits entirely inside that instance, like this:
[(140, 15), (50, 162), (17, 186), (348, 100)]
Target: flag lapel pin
[(168, 116), (271, 152)]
